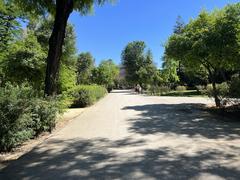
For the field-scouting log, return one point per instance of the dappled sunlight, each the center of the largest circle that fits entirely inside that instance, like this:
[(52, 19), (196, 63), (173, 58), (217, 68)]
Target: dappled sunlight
[(182, 119), (151, 141), (95, 158)]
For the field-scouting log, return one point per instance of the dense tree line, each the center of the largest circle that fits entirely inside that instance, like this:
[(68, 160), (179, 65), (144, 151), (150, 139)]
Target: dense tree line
[(140, 68), (209, 46)]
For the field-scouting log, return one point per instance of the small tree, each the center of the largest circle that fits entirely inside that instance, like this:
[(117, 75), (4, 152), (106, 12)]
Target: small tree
[(106, 73), (84, 66)]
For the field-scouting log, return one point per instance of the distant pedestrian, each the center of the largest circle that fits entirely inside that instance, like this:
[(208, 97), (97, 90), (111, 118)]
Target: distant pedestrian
[(138, 89)]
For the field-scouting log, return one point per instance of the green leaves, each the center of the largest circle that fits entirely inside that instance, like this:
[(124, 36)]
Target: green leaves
[(106, 73), (44, 7), (137, 63), (26, 62), (85, 65), (210, 40)]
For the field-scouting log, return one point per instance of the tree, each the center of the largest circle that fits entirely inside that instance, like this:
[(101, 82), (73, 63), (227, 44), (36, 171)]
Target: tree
[(84, 66), (148, 73), (138, 64), (169, 71), (61, 10), (26, 62), (210, 41), (9, 31), (179, 26), (132, 59), (42, 30), (106, 73)]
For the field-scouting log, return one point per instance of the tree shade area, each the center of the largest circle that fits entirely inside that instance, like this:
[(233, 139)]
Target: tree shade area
[(41, 72)]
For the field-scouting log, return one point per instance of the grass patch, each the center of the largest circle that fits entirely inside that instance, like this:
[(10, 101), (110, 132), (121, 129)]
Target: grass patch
[(187, 93)]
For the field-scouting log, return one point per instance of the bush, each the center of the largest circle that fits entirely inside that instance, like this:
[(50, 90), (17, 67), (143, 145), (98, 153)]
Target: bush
[(222, 91), (157, 90), (234, 87), (86, 95), (23, 115), (43, 114), (200, 88), (181, 88)]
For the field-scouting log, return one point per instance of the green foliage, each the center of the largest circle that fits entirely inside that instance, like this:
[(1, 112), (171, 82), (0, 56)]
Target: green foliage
[(188, 93), (181, 88), (84, 66), (23, 115), (9, 32), (61, 10), (222, 91), (149, 70), (211, 41), (179, 27), (106, 74), (25, 62), (138, 64), (169, 72), (234, 87), (42, 7), (9, 26), (86, 95), (157, 90), (200, 88), (67, 78), (42, 30)]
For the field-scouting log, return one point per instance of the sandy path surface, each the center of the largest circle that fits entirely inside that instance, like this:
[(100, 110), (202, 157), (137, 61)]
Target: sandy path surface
[(128, 136)]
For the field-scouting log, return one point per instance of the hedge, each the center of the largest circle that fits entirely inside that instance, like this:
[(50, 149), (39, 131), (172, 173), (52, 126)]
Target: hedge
[(86, 95)]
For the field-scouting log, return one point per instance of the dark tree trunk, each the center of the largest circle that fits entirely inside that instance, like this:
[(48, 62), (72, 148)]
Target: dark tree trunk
[(63, 9), (215, 95), (212, 76)]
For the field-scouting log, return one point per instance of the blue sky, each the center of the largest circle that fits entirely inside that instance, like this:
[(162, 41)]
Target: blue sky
[(111, 27)]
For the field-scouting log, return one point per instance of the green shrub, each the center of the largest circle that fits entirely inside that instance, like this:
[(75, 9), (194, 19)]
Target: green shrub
[(181, 88), (23, 115), (234, 87), (222, 91), (200, 88), (86, 95), (43, 114), (157, 90)]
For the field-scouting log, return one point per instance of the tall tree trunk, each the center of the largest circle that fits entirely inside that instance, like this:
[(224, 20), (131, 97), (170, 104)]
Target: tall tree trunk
[(63, 9)]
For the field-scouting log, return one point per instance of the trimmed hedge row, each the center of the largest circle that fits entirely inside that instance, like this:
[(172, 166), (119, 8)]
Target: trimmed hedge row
[(23, 115), (86, 95)]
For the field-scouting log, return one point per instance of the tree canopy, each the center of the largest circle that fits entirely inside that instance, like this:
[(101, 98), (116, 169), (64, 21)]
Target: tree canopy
[(138, 63), (85, 66), (210, 41)]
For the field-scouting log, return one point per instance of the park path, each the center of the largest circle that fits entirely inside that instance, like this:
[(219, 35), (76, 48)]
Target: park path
[(129, 136)]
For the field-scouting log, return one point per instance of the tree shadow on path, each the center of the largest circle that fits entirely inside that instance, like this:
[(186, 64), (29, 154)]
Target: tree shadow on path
[(133, 157), (182, 119), (101, 159)]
